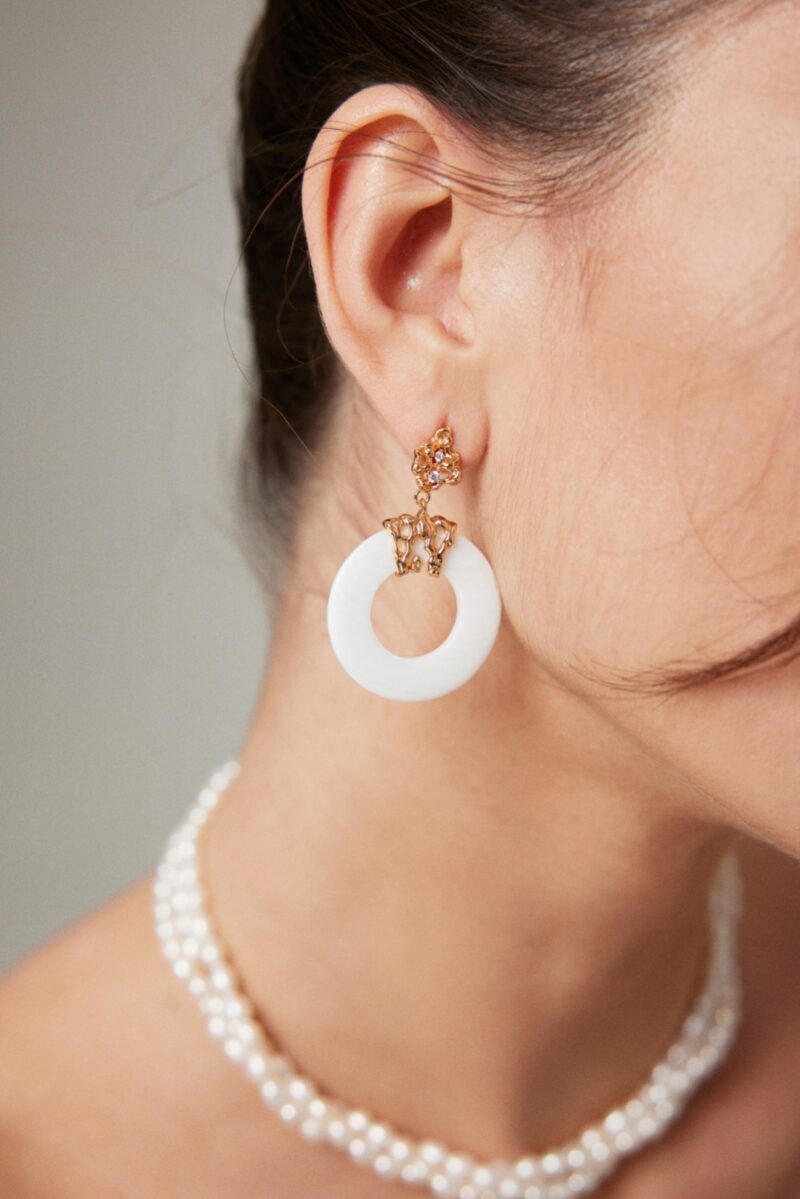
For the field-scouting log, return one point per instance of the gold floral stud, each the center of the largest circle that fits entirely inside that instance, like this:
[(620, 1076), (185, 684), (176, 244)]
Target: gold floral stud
[(436, 462)]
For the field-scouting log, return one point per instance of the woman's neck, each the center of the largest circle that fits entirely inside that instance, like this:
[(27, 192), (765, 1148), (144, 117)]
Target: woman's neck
[(481, 918)]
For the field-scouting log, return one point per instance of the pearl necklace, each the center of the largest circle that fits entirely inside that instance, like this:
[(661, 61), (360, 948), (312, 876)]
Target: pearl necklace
[(197, 956)]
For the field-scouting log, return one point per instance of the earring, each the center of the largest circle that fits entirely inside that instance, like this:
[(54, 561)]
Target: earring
[(389, 551)]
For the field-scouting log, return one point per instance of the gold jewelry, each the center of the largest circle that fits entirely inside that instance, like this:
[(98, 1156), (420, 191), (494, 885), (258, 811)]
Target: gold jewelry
[(435, 463)]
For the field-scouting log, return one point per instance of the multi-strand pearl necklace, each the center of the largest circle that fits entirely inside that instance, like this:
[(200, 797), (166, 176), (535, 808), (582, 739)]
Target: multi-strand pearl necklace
[(197, 956)]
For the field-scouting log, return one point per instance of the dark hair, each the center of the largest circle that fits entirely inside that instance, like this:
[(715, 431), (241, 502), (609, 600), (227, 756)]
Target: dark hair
[(571, 87)]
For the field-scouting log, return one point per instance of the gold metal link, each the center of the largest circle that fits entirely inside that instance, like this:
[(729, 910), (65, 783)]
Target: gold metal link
[(435, 463)]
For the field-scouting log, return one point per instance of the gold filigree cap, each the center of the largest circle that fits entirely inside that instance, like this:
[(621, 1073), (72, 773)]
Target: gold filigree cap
[(436, 462)]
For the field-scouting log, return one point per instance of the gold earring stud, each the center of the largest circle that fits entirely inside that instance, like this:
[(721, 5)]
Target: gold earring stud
[(435, 463)]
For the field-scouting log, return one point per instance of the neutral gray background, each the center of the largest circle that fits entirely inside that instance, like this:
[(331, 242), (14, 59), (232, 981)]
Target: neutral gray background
[(133, 632)]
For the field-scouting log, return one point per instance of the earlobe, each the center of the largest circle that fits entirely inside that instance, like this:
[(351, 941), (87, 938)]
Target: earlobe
[(386, 257)]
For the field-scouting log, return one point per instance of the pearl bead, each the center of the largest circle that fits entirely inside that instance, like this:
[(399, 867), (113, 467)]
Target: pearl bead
[(432, 1153), (525, 1168), (577, 1184), (709, 1056), (277, 1065), (646, 1127), (614, 1121), (244, 1030), (378, 1134), (221, 979), (256, 1065), (677, 1054), (693, 1026), (311, 1129), (300, 1090), (337, 1131), (412, 1171), (207, 798), (694, 1066), (484, 1176), (234, 1049)]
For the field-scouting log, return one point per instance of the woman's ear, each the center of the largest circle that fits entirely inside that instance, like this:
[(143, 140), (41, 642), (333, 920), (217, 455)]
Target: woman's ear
[(386, 240)]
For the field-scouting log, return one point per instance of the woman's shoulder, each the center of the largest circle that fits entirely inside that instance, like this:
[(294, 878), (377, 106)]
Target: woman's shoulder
[(109, 1083), (60, 969), (76, 1016), (84, 966)]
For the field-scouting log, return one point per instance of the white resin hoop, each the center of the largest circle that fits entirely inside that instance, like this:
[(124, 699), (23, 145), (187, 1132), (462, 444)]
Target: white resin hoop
[(430, 675)]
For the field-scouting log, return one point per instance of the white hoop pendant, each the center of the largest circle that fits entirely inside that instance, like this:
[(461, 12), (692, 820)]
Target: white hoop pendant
[(430, 675)]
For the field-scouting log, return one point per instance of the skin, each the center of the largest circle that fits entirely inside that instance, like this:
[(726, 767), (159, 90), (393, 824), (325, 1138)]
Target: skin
[(483, 917)]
